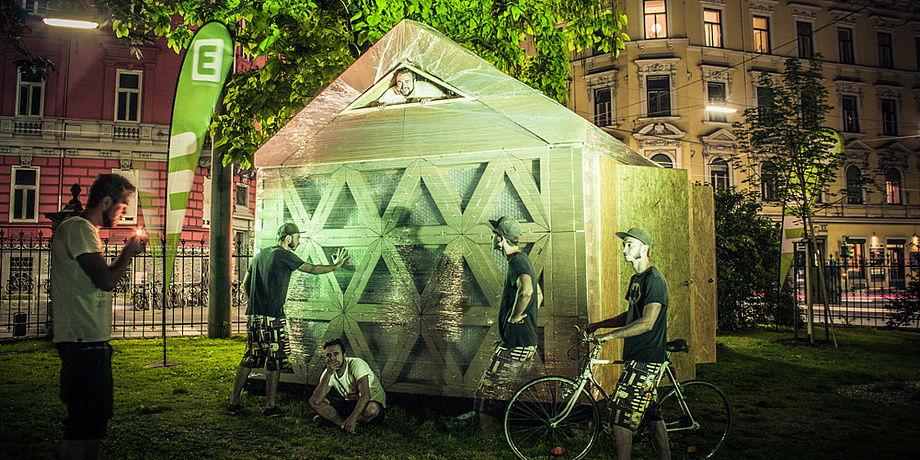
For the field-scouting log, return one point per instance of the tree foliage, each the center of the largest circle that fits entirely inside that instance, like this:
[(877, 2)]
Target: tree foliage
[(302, 45), (905, 308), (785, 137), (747, 254)]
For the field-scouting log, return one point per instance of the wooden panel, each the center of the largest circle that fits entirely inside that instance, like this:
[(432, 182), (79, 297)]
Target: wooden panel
[(656, 199), (703, 291)]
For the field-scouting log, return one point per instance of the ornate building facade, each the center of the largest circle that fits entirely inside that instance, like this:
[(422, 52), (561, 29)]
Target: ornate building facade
[(685, 56)]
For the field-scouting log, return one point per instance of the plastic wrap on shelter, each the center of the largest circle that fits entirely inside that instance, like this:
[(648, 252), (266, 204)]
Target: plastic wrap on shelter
[(406, 181)]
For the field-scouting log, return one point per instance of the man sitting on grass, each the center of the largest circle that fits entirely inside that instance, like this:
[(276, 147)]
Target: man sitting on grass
[(358, 396)]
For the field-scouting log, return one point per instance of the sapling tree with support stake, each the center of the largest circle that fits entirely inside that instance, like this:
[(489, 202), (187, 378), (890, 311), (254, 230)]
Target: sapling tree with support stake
[(784, 145)]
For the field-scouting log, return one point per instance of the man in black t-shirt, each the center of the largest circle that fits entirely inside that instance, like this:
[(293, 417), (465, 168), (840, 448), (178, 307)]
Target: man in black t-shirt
[(643, 328), (266, 285), (517, 326)]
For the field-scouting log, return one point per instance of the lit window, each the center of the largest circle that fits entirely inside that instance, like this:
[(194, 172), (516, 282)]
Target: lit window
[(602, 107), (128, 96), (885, 57), (24, 195), (659, 95), (893, 186), (30, 96), (718, 173), (889, 117), (850, 115), (656, 19), (803, 32), (712, 24), (854, 185), (845, 45), (762, 34)]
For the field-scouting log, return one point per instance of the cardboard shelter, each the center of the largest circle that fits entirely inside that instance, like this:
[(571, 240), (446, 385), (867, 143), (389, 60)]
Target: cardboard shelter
[(408, 187)]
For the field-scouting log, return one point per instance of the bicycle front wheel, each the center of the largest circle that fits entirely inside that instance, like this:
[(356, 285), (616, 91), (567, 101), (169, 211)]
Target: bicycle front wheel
[(536, 428), (709, 408)]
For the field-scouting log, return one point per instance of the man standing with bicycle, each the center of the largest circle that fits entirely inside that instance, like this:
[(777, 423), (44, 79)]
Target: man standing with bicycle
[(517, 326), (266, 286), (644, 330)]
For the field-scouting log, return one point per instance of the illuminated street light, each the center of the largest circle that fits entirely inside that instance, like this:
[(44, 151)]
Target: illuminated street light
[(70, 23), (715, 108)]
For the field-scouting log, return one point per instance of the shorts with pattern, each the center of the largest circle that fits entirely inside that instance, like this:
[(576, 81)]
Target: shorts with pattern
[(635, 395), (266, 344), (507, 371)]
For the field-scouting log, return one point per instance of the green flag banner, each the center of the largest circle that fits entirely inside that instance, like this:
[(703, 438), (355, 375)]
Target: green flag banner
[(204, 71)]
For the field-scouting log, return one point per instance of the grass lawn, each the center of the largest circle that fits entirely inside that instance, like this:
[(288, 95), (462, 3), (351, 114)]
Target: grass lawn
[(786, 402)]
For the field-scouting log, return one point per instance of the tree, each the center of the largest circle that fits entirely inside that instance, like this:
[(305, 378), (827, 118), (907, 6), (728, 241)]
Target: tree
[(747, 251), (302, 45), (786, 132)]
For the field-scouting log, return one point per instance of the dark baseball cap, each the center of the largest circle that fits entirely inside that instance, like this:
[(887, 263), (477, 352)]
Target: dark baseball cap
[(289, 228), (638, 233), (507, 227)]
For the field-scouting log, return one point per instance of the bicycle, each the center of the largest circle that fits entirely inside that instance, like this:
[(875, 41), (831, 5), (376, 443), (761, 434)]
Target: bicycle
[(557, 417)]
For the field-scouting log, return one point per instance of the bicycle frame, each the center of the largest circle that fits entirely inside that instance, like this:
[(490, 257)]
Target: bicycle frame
[(582, 380), (684, 408)]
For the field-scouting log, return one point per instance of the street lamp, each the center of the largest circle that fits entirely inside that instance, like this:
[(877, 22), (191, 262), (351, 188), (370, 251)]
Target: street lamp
[(720, 109), (70, 23)]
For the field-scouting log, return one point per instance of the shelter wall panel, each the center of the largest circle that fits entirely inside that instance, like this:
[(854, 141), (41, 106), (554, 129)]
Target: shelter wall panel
[(703, 265), (657, 199)]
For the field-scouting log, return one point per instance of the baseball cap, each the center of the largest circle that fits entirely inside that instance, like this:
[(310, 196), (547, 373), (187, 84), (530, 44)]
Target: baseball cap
[(507, 227), (289, 228), (638, 233)]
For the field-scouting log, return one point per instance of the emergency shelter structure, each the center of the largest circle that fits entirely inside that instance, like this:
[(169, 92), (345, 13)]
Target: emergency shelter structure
[(408, 187)]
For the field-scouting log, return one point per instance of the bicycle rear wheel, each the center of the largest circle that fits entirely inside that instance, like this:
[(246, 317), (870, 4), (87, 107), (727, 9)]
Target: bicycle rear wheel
[(531, 426), (710, 409)]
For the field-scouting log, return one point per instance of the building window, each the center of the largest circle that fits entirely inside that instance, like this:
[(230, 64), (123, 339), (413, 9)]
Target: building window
[(656, 19), (712, 27), (845, 45), (663, 159), (659, 95), (803, 32), (850, 115), (128, 96), (30, 96), (241, 198), (893, 186), (854, 185), (917, 49), (24, 195), (716, 94), (718, 173), (762, 35), (35, 6), (885, 58), (767, 181), (889, 117), (602, 107)]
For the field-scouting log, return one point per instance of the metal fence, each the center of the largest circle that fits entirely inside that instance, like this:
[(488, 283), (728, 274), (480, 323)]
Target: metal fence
[(26, 307), (860, 292)]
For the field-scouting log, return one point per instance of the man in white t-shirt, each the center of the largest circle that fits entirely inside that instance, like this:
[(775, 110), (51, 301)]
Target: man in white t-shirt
[(359, 398)]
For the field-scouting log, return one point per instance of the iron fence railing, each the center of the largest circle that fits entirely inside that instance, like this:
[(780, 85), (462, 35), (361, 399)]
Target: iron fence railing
[(26, 308), (860, 292)]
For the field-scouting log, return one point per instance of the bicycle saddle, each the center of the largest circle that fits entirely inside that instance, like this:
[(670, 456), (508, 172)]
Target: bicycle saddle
[(676, 345)]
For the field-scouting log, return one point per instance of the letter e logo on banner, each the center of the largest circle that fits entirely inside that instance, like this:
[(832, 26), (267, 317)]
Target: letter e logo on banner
[(207, 60)]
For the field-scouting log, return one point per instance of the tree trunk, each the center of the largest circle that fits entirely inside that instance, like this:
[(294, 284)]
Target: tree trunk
[(219, 260)]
